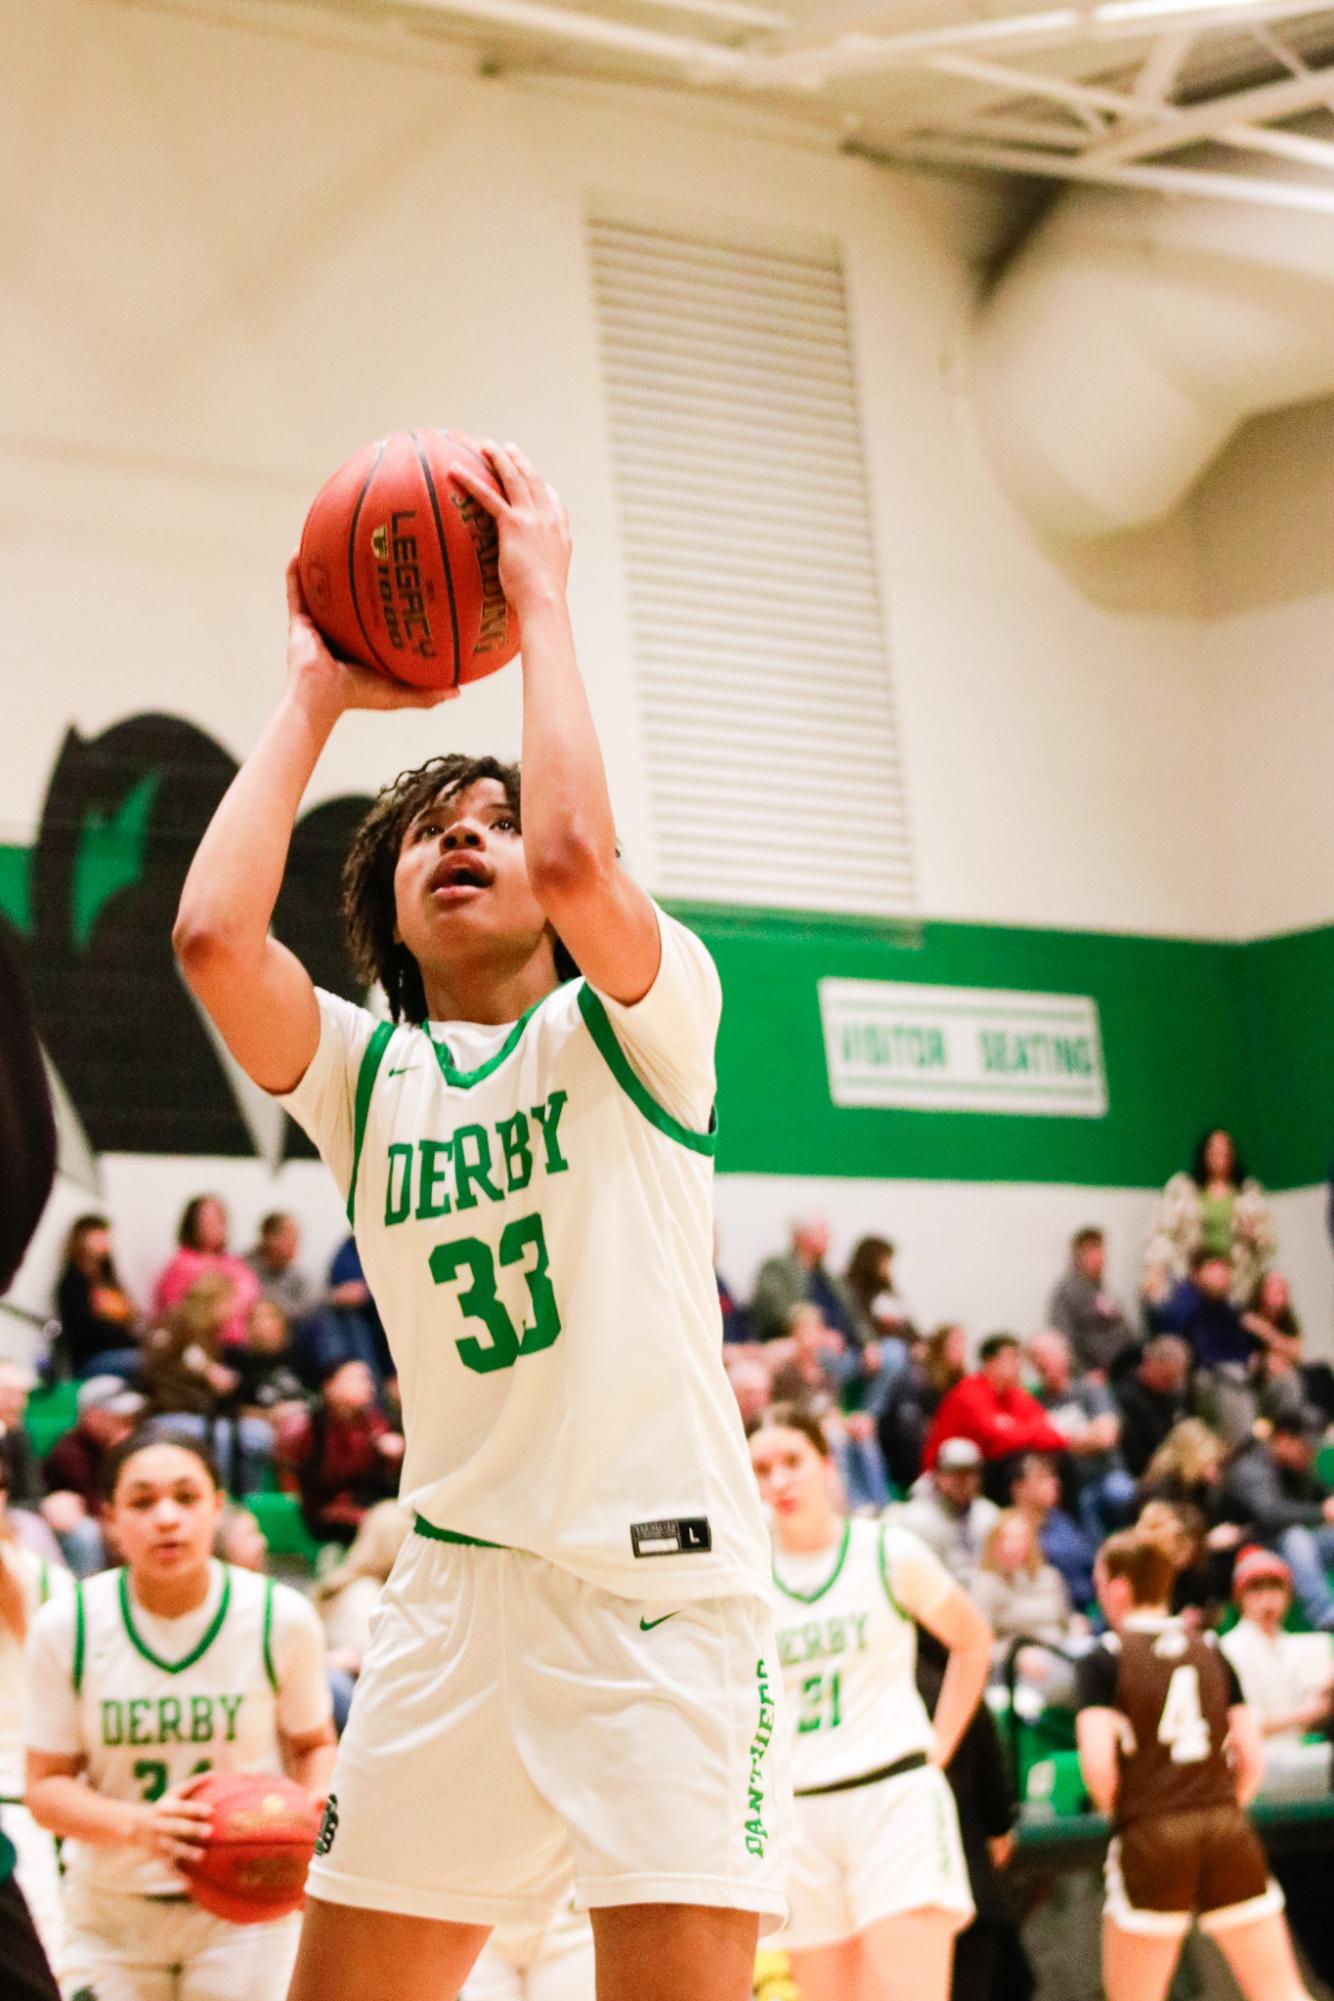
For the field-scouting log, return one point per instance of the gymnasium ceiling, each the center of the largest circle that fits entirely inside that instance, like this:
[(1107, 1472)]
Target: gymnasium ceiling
[(1181, 95)]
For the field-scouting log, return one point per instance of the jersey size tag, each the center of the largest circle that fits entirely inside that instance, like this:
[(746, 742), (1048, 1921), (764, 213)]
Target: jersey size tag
[(689, 1536)]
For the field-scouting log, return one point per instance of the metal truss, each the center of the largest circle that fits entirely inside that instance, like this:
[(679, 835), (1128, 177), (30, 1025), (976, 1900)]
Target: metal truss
[(1182, 96)]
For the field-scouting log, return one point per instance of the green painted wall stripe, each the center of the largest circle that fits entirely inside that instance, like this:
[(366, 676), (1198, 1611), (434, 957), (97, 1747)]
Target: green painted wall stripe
[(15, 899), (1285, 1003), (1193, 1031), (1172, 1032)]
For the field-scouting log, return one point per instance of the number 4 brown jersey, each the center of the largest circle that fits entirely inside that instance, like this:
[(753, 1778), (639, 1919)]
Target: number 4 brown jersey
[(1173, 1689)]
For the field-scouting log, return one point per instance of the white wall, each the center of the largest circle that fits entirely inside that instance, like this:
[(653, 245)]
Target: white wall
[(985, 1253), (1265, 523), (232, 255), (237, 254)]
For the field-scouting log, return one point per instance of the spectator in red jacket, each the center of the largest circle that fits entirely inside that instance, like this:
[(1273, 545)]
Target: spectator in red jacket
[(344, 1454), (993, 1409)]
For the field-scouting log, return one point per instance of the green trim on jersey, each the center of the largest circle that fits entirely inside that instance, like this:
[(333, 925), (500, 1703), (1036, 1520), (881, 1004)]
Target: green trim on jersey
[(884, 1575), (43, 1581), (434, 1534), (604, 1035), (269, 1667), (464, 1080), (196, 1652), (80, 1637), (809, 1597), (370, 1064)]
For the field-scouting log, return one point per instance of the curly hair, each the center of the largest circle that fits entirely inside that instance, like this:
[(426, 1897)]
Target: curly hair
[(368, 908)]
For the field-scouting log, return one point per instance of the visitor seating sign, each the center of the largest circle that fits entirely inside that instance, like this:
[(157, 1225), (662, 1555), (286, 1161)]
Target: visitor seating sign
[(891, 1043)]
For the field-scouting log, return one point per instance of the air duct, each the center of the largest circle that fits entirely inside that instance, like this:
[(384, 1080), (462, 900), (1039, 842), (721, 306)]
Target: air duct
[(1129, 337)]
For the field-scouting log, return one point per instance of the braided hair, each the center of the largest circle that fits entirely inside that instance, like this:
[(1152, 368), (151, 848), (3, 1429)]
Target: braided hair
[(368, 908)]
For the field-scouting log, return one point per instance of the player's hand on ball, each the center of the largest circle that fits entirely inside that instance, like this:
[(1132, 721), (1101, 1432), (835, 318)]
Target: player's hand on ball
[(532, 524), (174, 1828), (310, 663)]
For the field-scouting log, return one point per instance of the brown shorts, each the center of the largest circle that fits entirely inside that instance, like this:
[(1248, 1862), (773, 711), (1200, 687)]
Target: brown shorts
[(1168, 1868)]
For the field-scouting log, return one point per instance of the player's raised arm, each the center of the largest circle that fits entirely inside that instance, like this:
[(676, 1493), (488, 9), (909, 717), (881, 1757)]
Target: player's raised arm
[(257, 993), (601, 914)]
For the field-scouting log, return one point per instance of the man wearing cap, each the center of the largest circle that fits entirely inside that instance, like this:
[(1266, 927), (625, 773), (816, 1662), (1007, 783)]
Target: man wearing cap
[(1286, 1678), (1269, 1485), (107, 1414), (948, 1510)]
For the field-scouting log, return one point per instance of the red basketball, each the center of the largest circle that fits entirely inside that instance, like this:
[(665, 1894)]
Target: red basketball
[(400, 567), (254, 1864)]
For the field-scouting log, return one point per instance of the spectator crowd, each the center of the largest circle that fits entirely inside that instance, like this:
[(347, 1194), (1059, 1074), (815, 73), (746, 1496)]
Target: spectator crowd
[(1192, 1411)]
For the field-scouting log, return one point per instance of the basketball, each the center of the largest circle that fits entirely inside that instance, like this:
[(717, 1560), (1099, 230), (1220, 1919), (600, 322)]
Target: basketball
[(399, 565), (254, 1865)]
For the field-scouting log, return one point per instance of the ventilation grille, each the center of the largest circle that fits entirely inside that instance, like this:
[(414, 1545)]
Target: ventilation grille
[(759, 638)]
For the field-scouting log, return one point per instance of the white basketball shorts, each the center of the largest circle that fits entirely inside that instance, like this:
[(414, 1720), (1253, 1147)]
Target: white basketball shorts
[(519, 1964), (514, 1726), (874, 1852), (126, 1948)]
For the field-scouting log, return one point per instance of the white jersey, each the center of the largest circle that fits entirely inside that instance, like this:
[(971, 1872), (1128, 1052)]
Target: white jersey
[(532, 1205), (38, 1580), (848, 1647), (151, 1703)]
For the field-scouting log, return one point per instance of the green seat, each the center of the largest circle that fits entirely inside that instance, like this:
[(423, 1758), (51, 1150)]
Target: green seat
[(279, 1517), (1054, 1787), (53, 1409)]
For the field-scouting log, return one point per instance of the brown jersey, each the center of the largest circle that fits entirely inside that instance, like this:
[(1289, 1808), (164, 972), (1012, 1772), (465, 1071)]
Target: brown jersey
[(1174, 1690)]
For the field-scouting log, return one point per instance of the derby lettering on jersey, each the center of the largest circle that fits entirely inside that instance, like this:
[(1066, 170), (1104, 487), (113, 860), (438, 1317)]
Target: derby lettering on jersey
[(429, 1178), (822, 1639), (167, 1719)]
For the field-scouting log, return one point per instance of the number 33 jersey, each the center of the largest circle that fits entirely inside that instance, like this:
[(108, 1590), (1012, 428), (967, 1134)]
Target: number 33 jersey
[(532, 1205), (1172, 1690)]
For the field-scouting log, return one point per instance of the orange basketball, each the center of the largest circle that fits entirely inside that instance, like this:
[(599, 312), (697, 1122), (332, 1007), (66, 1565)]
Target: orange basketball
[(254, 1865), (399, 565)]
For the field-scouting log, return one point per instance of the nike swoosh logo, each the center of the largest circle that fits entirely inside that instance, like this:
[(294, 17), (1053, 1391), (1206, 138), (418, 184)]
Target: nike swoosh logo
[(647, 1625), (401, 1069)]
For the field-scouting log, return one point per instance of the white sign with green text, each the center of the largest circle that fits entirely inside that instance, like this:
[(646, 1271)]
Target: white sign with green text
[(890, 1043)]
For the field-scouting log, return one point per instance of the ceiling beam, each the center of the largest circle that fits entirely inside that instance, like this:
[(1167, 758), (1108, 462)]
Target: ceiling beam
[(1208, 120), (1035, 83), (855, 51), (1244, 188), (1298, 146), (1153, 85), (712, 60)]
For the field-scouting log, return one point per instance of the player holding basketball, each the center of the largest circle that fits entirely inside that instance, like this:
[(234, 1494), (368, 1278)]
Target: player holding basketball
[(140, 1680), (878, 1885), (1170, 1752), (573, 1662)]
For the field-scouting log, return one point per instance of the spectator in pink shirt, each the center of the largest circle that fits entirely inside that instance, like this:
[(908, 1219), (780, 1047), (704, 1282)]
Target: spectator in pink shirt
[(202, 1238)]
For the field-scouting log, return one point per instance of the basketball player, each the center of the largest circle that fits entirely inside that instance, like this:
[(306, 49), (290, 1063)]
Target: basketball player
[(27, 1169), (27, 1581), (572, 1666), (1168, 1749), (878, 1885), (139, 1681)]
